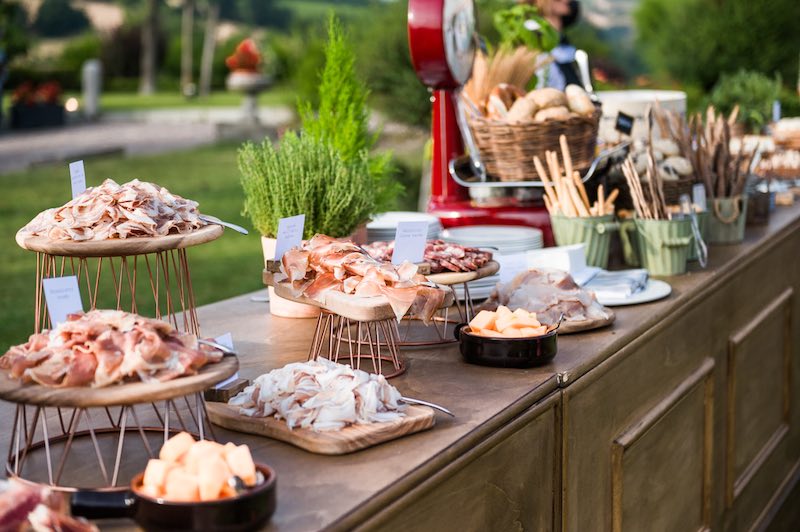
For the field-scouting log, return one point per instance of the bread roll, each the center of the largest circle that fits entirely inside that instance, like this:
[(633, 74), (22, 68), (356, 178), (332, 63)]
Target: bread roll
[(501, 99), (668, 147), (579, 101), (547, 97), (552, 113), (522, 111)]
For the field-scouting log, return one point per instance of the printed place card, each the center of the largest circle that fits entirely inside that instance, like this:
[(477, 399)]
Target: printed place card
[(290, 234), (63, 297), (77, 177), (699, 196), (409, 241), (226, 340)]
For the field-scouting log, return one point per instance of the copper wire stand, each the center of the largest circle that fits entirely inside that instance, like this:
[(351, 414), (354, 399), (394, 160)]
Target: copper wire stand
[(345, 340), (148, 276), (441, 323)]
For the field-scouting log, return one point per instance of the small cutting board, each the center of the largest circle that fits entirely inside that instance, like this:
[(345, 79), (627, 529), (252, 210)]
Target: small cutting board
[(347, 440), (449, 278)]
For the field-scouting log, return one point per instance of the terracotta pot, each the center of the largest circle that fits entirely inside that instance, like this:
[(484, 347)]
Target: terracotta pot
[(279, 306)]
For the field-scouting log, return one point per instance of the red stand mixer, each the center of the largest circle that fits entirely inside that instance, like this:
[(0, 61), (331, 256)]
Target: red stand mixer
[(441, 38)]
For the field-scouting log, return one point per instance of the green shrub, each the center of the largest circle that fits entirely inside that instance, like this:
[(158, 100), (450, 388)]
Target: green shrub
[(79, 50), (57, 18), (752, 91)]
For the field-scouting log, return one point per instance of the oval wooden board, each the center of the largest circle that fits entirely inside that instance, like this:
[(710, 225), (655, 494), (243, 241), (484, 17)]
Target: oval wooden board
[(448, 278), (347, 440), (116, 395), (570, 327), (118, 247), (347, 305)]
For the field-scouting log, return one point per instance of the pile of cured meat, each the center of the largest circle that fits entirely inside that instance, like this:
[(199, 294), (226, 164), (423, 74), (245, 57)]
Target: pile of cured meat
[(548, 293), (442, 256), (27, 507), (321, 395), (104, 347), (324, 264), (110, 211)]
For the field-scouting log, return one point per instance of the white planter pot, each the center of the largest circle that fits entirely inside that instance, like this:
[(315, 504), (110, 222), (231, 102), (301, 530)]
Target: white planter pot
[(279, 306)]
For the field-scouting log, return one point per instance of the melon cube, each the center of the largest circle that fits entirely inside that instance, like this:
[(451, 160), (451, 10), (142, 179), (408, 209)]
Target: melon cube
[(241, 463), (211, 477), (521, 323), (151, 491), (175, 447), (489, 333), (503, 311), (533, 331), (155, 475), (181, 486), (201, 452), (511, 332), (484, 320), (521, 313)]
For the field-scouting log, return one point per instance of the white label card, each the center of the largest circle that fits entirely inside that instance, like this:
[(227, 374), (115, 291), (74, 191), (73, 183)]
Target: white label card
[(409, 241), (63, 297), (226, 340), (77, 178), (699, 196), (290, 234), (511, 265)]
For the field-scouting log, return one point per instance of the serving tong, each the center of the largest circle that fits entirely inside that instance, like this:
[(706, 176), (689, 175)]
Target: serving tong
[(214, 220)]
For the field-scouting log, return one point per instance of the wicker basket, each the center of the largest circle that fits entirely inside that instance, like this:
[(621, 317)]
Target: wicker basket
[(507, 150), (674, 189)]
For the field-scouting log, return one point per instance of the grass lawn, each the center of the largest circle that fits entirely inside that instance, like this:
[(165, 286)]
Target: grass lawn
[(131, 101), (226, 267)]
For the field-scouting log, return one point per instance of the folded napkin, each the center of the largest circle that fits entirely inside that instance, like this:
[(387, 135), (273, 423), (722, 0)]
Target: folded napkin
[(618, 285)]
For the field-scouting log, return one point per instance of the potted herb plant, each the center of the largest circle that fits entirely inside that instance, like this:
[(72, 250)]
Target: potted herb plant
[(325, 171)]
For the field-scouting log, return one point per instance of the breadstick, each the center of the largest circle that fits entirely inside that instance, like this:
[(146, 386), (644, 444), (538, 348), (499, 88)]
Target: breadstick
[(576, 178), (549, 187), (601, 200), (562, 140), (608, 206), (576, 199), (547, 204)]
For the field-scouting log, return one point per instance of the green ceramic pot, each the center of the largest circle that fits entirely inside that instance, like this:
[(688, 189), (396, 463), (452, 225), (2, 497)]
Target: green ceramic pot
[(727, 219), (661, 246), (594, 231)]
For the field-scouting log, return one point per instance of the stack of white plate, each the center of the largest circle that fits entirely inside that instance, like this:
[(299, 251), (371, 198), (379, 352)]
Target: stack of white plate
[(384, 226), (502, 240)]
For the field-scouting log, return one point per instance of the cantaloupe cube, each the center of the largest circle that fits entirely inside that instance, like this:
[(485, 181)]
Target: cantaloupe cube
[(151, 491), (241, 463), (211, 477), (533, 331), (200, 452), (511, 332), (503, 311), (484, 320), (521, 313), (521, 323), (504, 322), (489, 333), (155, 475), (181, 486), (175, 447)]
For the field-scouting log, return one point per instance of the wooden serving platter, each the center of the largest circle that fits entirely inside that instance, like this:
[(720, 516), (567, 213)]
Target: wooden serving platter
[(119, 394), (274, 266), (570, 327), (450, 278), (118, 247), (347, 440)]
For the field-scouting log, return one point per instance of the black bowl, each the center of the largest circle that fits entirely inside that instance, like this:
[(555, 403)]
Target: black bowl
[(506, 352)]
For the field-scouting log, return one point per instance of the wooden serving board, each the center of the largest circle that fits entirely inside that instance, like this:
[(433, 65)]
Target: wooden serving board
[(569, 327), (119, 394), (450, 278), (118, 247), (274, 266), (347, 440)]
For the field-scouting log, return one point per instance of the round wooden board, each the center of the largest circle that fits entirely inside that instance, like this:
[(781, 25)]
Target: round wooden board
[(116, 395), (570, 327), (450, 278), (118, 247)]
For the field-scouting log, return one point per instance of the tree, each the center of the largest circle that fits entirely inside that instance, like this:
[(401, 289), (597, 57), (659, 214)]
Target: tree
[(57, 18), (187, 46), (147, 71), (696, 41), (209, 43), (13, 39)]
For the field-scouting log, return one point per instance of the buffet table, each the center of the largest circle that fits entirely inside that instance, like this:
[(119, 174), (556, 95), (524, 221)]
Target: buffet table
[(681, 416)]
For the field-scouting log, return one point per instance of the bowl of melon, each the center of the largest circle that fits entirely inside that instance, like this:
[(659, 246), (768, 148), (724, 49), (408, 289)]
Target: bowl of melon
[(507, 339)]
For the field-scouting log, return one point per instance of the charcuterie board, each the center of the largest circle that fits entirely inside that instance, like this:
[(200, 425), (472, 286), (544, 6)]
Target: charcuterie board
[(569, 327), (347, 440), (117, 247), (117, 395), (450, 278)]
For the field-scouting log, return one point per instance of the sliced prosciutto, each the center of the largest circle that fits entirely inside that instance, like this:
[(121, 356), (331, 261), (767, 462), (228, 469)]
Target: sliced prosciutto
[(105, 347), (324, 264), (442, 256), (113, 211)]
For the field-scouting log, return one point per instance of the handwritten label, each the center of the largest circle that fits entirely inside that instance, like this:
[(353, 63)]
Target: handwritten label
[(226, 340), (511, 265), (77, 178), (699, 196), (409, 241), (63, 297), (290, 234), (624, 123)]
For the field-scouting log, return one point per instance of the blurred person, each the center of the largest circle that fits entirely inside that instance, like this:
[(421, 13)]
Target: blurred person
[(560, 14)]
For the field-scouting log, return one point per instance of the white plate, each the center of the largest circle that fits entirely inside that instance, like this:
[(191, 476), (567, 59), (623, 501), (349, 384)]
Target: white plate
[(654, 291), (388, 220)]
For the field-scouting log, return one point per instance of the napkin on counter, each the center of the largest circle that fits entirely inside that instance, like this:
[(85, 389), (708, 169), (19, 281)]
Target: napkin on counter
[(618, 285)]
